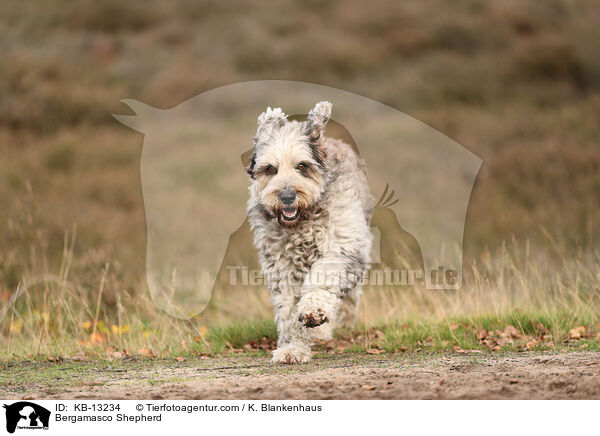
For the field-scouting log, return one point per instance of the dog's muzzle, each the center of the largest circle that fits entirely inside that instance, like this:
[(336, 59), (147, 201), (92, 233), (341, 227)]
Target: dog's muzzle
[(289, 212), (287, 196)]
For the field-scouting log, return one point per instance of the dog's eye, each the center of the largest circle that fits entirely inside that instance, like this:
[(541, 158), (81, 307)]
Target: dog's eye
[(271, 170), (301, 167)]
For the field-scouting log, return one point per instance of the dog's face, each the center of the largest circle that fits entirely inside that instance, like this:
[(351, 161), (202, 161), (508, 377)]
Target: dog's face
[(288, 163)]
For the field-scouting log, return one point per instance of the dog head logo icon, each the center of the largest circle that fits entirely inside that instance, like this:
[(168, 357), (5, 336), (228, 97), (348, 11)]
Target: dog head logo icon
[(26, 415)]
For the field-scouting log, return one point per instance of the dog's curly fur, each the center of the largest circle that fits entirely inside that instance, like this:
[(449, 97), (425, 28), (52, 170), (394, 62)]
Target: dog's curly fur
[(315, 250)]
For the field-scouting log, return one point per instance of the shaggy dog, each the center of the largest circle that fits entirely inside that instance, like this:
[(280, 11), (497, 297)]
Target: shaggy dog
[(309, 209)]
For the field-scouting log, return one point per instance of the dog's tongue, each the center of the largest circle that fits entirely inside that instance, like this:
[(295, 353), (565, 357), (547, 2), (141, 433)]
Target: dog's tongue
[(289, 212)]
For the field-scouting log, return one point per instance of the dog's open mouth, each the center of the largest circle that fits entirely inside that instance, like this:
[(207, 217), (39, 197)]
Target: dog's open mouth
[(289, 214)]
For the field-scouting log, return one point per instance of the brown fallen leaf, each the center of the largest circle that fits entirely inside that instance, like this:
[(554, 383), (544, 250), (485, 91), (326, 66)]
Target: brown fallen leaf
[(531, 344), (147, 352), (578, 332), (541, 329), (375, 351), (180, 359), (368, 387), (501, 341), (79, 357), (231, 348), (481, 334), (453, 327), (113, 354), (511, 332)]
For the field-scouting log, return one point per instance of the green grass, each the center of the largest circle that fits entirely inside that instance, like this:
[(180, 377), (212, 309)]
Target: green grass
[(535, 331), (551, 331), (240, 334)]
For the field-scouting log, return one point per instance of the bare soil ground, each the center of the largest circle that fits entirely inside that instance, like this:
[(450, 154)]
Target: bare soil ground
[(347, 376)]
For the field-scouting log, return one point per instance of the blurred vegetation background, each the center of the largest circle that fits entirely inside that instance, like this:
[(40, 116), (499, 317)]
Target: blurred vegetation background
[(517, 82)]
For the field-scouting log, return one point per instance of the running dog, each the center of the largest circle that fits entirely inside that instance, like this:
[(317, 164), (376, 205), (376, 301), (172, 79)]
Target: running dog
[(309, 209)]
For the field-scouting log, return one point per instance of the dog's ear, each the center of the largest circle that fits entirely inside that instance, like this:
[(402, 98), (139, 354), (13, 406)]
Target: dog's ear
[(317, 120), (267, 121), (252, 164)]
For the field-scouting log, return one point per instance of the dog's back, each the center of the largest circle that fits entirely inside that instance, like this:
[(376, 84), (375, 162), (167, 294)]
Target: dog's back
[(348, 170)]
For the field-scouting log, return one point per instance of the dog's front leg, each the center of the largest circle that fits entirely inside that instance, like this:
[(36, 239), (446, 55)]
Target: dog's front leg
[(293, 344), (329, 279)]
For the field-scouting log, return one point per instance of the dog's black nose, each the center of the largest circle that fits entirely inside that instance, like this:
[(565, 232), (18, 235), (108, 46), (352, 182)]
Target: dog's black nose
[(287, 196)]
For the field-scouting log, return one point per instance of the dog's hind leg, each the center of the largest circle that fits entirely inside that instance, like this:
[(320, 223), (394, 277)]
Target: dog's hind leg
[(347, 313)]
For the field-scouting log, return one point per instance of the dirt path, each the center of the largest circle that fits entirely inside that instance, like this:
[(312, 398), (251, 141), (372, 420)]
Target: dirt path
[(402, 376)]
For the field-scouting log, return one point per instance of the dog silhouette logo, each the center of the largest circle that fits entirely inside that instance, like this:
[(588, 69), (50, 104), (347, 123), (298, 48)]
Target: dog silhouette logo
[(26, 415), (195, 194)]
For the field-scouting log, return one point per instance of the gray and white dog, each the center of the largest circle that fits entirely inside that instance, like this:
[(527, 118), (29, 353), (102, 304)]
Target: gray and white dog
[(310, 209)]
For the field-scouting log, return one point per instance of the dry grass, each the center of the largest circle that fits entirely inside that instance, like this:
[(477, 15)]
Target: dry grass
[(50, 317)]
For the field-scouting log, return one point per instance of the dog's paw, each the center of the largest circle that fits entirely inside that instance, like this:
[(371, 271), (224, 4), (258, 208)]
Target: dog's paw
[(313, 318), (291, 354), (316, 308)]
